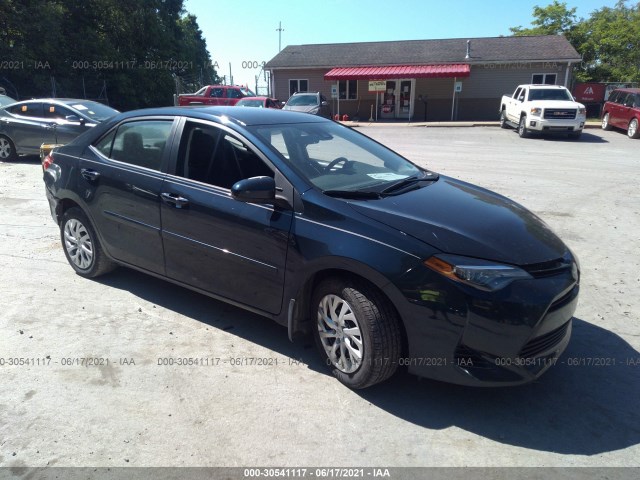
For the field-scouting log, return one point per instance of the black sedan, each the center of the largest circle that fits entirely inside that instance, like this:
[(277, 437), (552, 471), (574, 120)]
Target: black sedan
[(326, 232), (24, 126)]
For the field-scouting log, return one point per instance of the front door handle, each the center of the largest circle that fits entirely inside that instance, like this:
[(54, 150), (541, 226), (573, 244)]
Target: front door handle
[(174, 200), (89, 175)]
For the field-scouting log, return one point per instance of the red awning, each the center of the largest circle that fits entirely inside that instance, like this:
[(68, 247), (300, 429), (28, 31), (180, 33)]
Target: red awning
[(399, 71)]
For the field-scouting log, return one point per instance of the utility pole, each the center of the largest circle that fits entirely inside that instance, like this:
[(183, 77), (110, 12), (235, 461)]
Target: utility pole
[(279, 30)]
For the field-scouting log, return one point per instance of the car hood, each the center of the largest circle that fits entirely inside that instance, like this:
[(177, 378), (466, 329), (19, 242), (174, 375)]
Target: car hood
[(557, 104), (301, 108), (463, 219)]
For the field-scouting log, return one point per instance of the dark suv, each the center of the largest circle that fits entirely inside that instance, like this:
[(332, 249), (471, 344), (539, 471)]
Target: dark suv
[(622, 110)]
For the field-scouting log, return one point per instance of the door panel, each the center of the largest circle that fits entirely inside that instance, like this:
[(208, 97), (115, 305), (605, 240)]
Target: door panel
[(233, 249), (123, 192), (27, 127)]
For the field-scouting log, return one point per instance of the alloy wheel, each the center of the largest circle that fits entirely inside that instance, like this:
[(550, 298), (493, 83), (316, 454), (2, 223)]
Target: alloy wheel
[(78, 244), (5, 148), (340, 333)]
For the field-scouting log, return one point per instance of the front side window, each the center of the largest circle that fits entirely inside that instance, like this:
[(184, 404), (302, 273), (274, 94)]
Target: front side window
[(139, 143), (348, 89), (335, 158), (57, 112), (233, 93), (210, 155)]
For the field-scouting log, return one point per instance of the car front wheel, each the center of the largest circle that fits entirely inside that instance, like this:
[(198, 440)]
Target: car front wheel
[(7, 149), (81, 245), (632, 131), (522, 127), (357, 332), (605, 122)]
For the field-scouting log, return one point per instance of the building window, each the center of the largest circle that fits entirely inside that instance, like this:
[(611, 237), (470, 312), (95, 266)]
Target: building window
[(348, 89), (544, 78), (296, 86)]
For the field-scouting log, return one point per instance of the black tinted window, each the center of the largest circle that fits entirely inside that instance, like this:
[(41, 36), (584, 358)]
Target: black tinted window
[(233, 93), (27, 110), (141, 143), (210, 155), (217, 92), (52, 110)]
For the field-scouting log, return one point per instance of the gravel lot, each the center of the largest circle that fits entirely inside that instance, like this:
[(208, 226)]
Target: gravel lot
[(135, 412)]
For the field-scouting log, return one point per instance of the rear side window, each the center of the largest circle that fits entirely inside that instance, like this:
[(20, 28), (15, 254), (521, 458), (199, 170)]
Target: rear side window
[(139, 143), (27, 110), (217, 92)]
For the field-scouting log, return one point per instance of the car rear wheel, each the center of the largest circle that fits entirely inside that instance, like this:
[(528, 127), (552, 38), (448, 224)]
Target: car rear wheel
[(81, 245), (7, 149), (357, 332), (522, 127), (605, 122), (503, 120), (632, 131)]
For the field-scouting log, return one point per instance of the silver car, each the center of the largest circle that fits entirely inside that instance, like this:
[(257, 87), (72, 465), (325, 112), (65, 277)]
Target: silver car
[(309, 102), (24, 126)]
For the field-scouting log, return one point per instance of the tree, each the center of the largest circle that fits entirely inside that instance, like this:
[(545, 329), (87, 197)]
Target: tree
[(136, 49), (554, 19)]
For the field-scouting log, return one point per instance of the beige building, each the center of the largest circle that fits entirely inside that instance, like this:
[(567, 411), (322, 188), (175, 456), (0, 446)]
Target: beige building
[(434, 80)]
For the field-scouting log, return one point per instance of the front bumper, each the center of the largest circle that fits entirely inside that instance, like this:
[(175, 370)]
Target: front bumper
[(462, 335), (540, 124)]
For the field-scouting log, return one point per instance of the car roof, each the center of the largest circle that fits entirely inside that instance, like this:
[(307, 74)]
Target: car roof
[(239, 116), (64, 101), (257, 97), (627, 90)]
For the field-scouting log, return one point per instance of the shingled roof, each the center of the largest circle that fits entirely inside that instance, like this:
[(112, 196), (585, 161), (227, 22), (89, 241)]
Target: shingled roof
[(415, 52)]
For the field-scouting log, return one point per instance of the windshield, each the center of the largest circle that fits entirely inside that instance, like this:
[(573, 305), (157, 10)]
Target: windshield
[(94, 110), (303, 101), (247, 92), (250, 103), (335, 158), (549, 94)]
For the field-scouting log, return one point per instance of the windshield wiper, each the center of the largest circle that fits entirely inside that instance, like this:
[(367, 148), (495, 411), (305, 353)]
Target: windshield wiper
[(405, 182), (355, 194)]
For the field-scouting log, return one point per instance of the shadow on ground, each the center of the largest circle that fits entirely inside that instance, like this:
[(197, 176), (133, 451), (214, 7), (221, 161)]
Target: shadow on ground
[(586, 405)]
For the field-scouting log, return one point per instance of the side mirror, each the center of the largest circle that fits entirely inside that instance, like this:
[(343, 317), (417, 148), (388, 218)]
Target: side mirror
[(74, 118), (255, 190), (324, 103)]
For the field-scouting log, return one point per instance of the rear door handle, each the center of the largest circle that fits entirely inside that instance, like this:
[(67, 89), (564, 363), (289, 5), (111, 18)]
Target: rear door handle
[(90, 175), (174, 200)]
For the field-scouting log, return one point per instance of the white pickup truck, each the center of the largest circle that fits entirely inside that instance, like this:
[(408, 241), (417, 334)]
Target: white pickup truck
[(543, 109)]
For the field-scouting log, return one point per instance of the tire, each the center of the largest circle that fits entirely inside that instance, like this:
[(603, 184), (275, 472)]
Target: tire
[(81, 245), (522, 127), (7, 149), (605, 122), (503, 119), (357, 332), (632, 129)]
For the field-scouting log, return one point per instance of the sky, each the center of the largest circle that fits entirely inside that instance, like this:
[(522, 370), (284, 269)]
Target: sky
[(241, 35)]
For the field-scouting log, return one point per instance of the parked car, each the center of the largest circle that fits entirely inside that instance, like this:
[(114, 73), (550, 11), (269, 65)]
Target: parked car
[(622, 110), (25, 126), (259, 102), (6, 100), (215, 95), (542, 109), (325, 231), (308, 102)]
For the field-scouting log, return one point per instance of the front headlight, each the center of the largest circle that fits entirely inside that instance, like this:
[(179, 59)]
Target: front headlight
[(314, 111), (537, 111), (481, 274), (582, 111)]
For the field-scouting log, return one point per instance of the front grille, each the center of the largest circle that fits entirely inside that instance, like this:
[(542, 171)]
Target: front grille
[(546, 269), (560, 113), (544, 342)]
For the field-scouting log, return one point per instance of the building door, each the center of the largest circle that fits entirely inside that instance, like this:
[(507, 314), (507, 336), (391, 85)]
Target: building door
[(388, 101), (397, 99), (404, 108)]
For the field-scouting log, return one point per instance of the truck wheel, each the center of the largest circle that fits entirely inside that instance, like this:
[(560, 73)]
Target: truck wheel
[(605, 122), (522, 127), (503, 120), (357, 332), (632, 131)]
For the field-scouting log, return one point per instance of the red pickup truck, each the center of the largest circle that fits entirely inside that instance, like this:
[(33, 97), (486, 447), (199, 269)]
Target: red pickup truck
[(215, 95)]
